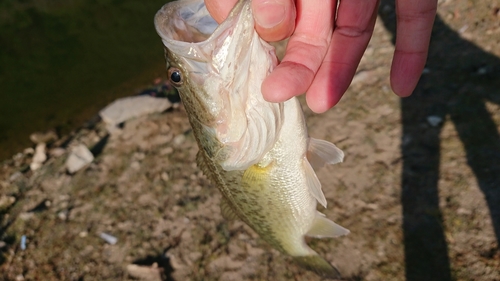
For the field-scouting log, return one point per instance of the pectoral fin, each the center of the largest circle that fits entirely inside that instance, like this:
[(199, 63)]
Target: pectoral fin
[(323, 227), (256, 177), (313, 184), (320, 153)]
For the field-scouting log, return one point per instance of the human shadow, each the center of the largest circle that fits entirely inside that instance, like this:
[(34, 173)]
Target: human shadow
[(461, 77)]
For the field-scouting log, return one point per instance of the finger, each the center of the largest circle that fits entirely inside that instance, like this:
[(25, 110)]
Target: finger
[(414, 27), (219, 10), (353, 30), (275, 19), (305, 51)]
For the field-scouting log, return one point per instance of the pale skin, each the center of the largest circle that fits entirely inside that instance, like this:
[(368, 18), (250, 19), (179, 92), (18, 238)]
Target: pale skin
[(323, 52)]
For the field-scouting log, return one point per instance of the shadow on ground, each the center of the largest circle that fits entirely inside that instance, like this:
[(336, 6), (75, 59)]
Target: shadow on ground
[(461, 78), (159, 260)]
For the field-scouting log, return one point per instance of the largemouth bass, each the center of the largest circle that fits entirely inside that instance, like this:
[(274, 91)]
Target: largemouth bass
[(257, 153)]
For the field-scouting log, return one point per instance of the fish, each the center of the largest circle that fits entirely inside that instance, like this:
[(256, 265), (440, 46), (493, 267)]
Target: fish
[(257, 153)]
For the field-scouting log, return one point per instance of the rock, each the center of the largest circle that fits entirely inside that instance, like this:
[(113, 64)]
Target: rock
[(110, 239), (23, 243), (146, 273), (164, 176), (124, 109), (46, 137), (79, 157), (179, 139), (39, 157), (223, 263), (56, 152), (15, 176), (29, 151), (364, 77), (6, 201)]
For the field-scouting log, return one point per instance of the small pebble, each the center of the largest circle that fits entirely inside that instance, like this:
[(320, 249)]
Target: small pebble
[(463, 28), (29, 151), (110, 239), (166, 151), (62, 215), (178, 140), (135, 165), (15, 176), (164, 176), (26, 216), (23, 242), (56, 152)]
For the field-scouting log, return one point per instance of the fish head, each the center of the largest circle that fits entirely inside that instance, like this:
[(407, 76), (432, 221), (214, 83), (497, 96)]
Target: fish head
[(184, 27), (218, 70)]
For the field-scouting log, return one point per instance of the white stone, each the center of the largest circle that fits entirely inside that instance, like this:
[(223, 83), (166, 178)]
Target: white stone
[(39, 157), (361, 76), (35, 166), (79, 157), (179, 139), (56, 152), (46, 137), (110, 239), (146, 273), (124, 109)]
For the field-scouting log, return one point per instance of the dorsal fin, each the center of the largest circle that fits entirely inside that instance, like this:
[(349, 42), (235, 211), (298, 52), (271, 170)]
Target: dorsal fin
[(226, 210), (200, 162), (321, 152), (313, 183), (323, 227)]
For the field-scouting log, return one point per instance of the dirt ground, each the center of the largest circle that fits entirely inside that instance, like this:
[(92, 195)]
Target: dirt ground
[(419, 188)]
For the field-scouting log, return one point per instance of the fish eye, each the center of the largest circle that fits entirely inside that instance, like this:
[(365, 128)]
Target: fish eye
[(175, 76)]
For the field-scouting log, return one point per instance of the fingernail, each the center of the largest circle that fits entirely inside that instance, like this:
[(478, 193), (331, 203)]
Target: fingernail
[(269, 14)]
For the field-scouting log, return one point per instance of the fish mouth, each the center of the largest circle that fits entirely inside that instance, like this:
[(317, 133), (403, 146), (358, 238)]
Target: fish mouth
[(187, 29), (183, 24), (195, 39)]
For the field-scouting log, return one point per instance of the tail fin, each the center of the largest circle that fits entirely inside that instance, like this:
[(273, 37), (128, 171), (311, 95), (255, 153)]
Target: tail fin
[(318, 265)]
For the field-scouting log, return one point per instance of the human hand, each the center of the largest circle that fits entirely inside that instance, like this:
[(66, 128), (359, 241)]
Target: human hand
[(323, 52)]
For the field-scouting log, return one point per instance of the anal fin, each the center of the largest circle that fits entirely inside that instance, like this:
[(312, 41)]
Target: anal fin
[(313, 183), (323, 227)]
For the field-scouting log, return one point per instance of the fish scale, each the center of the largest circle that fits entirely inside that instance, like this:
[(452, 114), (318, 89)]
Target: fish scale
[(257, 153)]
